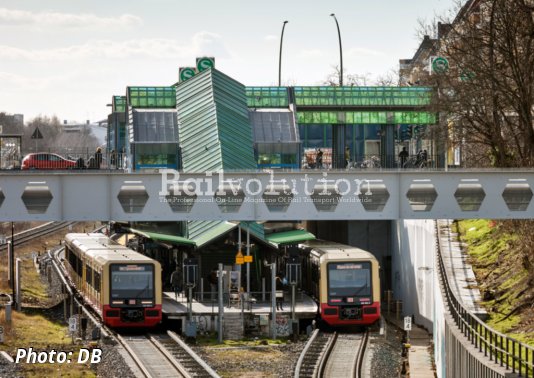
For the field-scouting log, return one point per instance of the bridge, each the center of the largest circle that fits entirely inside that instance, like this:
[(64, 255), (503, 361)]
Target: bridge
[(167, 195)]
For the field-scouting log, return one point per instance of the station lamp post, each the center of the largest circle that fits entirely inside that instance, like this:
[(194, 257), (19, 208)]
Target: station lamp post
[(339, 131), (340, 52), (280, 59)]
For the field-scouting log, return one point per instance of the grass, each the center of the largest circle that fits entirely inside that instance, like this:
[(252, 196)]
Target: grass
[(494, 259)]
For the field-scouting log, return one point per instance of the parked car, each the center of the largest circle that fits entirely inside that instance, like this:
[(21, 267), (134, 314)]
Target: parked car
[(46, 160)]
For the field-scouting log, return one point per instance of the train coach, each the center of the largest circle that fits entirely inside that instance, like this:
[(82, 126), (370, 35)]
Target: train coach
[(345, 282), (121, 285)]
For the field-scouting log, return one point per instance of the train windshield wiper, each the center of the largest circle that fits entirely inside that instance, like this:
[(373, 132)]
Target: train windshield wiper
[(360, 289), (142, 291)]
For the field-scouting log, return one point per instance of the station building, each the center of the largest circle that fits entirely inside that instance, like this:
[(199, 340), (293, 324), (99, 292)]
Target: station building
[(211, 122)]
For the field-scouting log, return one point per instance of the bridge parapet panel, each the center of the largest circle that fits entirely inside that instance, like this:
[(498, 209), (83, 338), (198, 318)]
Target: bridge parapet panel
[(517, 194)]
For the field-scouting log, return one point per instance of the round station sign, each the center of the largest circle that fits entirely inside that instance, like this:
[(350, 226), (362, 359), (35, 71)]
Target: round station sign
[(205, 63), (186, 73), (440, 65)]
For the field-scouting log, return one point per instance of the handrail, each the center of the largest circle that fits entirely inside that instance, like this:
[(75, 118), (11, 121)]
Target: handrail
[(483, 337)]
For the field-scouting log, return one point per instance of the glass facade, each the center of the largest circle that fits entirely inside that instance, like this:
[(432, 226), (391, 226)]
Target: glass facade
[(267, 97), (151, 97), (162, 155), (362, 96), (366, 117), (118, 104), (277, 160)]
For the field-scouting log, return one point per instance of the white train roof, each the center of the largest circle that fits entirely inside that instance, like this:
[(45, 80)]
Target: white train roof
[(102, 249), (333, 250)]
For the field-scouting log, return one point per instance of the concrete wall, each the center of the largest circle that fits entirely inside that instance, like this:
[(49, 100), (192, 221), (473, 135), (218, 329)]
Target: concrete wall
[(413, 251)]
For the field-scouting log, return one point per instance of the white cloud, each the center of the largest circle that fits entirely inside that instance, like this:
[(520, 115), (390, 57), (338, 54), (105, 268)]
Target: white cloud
[(68, 20), (11, 80), (202, 43), (270, 38), (359, 51), (312, 53)]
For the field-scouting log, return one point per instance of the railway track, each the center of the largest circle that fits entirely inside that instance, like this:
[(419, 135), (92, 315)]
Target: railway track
[(42, 230), (164, 355), (332, 355), (156, 355)]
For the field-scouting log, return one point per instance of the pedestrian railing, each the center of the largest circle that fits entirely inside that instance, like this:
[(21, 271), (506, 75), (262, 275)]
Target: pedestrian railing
[(503, 350)]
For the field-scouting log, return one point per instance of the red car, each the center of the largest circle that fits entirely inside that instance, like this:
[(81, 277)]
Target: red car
[(46, 160)]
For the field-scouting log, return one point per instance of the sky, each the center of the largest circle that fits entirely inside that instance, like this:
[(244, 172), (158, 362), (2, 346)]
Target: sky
[(67, 58)]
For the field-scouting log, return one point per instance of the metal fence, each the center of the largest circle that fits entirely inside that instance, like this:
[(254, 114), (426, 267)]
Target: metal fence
[(74, 158), (377, 161), (503, 350)]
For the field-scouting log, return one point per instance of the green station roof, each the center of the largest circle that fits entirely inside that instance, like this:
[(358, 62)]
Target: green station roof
[(289, 237), (199, 233), (276, 239)]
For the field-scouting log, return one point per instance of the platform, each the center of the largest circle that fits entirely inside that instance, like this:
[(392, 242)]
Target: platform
[(305, 307), (462, 280)]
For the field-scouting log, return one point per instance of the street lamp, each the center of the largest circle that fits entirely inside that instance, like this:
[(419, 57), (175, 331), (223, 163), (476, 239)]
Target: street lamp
[(340, 52), (280, 60)]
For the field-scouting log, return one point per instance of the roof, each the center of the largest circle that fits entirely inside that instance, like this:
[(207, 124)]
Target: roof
[(336, 250), (274, 128), (199, 233), (101, 248), (214, 127), (163, 237), (276, 239), (289, 237)]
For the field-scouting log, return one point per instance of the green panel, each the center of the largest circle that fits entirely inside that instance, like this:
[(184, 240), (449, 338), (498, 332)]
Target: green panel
[(362, 96), (256, 229), (420, 118), (214, 129), (289, 237), (118, 104), (163, 237), (367, 117), (267, 97), (202, 232), (151, 97)]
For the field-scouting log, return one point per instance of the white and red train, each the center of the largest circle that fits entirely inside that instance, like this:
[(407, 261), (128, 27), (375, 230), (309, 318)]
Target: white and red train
[(121, 285), (344, 280)]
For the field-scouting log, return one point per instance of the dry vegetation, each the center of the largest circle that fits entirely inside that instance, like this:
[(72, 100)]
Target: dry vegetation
[(36, 326)]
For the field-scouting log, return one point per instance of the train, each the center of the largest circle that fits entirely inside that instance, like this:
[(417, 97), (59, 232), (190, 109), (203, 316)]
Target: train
[(344, 280), (123, 287)]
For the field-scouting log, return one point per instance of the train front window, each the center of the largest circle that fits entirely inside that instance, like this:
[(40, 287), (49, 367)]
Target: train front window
[(132, 281), (349, 279)]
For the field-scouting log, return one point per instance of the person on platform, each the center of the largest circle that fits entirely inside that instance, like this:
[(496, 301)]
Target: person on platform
[(280, 292), (319, 159), (213, 280), (177, 281), (403, 156)]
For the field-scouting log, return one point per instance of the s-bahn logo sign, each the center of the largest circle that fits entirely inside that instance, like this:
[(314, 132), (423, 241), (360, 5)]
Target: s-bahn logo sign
[(205, 63), (186, 73), (439, 65)]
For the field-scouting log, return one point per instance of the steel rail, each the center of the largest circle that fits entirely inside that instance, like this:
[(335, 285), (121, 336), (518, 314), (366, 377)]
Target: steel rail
[(326, 354), (193, 355), (28, 235), (300, 361)]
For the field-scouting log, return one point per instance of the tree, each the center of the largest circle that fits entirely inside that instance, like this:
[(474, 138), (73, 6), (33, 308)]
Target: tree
[(349, 80), (55, 139), (488, 92)]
